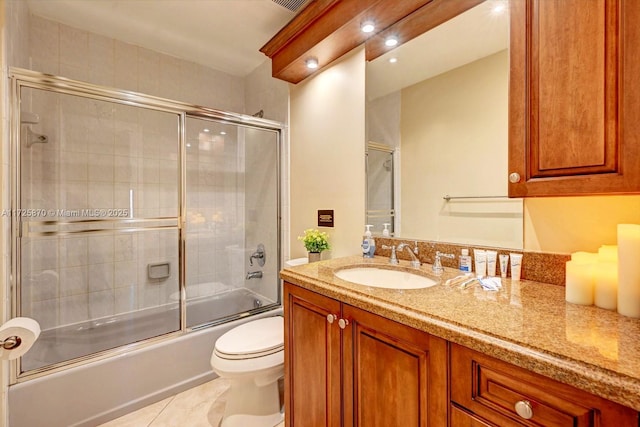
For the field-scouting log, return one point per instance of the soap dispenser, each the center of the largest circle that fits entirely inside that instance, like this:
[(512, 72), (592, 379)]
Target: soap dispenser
[(386, 232), (368, 244)]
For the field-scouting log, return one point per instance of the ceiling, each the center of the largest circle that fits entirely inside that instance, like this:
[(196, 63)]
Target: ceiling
[(225, 35), (474, 34)]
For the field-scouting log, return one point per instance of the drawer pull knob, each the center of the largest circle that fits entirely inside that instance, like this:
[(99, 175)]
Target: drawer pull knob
[(343, 323), (523, 408), (514, 177), (331, 318)]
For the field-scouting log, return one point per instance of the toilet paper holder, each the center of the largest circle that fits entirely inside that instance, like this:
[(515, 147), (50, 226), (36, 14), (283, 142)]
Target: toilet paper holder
[(11, 342)]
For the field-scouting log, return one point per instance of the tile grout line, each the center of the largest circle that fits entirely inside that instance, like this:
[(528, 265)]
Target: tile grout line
[(161, 410)]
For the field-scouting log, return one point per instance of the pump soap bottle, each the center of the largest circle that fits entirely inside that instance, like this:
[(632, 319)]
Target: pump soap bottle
[(368, 244), (386, 232)]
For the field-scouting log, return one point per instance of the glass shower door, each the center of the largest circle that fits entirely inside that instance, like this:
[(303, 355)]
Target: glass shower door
[(232, 220), (97, 219)]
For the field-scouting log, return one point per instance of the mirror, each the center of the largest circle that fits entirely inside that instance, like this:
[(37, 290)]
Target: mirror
[(439, 105)]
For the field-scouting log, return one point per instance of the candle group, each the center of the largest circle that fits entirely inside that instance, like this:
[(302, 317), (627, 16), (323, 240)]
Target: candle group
[(609, 279)]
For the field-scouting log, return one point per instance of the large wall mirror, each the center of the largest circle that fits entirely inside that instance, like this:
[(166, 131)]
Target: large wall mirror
[(437, 130)]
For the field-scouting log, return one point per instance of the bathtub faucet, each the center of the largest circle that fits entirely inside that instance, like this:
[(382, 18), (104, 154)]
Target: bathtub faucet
[(254, 275), (258, 255)]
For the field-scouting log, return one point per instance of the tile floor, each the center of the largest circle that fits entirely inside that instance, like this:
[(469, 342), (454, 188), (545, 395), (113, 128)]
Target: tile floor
[(200, 406)]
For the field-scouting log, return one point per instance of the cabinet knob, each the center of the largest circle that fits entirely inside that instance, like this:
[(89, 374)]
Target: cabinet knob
[(343, 323), (331, 317), (514, 177), (523, 408)]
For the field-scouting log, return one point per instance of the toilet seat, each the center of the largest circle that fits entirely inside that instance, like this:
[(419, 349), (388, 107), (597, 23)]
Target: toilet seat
[(258, 338)]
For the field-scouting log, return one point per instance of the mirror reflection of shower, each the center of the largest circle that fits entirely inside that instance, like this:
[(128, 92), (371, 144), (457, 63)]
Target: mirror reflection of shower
[(380, 187), (28, 119)]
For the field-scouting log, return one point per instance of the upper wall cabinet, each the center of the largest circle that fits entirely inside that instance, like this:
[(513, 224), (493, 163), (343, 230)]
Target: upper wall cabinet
[(574, 97)]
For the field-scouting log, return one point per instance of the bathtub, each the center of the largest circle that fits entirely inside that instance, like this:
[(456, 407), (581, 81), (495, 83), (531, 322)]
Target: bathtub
[(96, 392)]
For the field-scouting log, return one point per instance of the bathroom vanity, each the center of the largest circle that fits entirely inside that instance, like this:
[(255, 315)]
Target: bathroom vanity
[(363, 356)]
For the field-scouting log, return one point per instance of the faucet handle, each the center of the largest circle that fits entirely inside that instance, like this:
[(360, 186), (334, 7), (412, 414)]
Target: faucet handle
[(393, 259), (437, 264), (442, 254)]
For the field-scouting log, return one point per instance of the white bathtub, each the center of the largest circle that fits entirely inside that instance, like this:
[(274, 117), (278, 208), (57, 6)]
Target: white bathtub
[(99, 391)]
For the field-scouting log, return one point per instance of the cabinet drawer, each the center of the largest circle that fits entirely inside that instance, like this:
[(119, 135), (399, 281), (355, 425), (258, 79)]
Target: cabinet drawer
[(506, 395)]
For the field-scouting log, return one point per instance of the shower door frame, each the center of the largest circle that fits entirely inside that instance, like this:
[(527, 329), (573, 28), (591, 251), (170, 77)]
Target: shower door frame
[(20, 78), (377, 213)]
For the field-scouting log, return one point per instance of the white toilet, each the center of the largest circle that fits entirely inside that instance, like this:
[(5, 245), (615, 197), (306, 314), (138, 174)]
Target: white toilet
[(251, 357)]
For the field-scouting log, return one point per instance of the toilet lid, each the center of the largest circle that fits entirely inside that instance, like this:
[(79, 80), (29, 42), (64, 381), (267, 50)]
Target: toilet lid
[(253, 339)]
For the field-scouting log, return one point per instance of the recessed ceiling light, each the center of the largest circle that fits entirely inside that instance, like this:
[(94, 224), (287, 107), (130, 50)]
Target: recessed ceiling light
[(367, 26), (312, 63), (499, 8), (393, 60), (223, 133), (206, 130), (391, 41)]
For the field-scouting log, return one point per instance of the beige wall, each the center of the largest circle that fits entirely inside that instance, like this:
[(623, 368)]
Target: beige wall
[(454, 141), (327, 154), (570, 224)]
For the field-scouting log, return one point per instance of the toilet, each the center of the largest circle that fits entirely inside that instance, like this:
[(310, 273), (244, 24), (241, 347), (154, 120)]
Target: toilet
[(251, 358)]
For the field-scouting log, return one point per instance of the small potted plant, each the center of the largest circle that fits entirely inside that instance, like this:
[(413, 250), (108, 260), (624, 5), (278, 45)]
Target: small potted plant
[(315, 241)]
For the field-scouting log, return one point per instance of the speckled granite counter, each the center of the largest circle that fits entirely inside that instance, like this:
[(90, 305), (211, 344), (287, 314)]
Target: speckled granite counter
[(527, 323)]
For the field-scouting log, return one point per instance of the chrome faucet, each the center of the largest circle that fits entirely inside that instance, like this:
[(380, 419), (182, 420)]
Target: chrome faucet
[(259, 255), (415, 262), (437, 264), (393, 259), (254, 275)]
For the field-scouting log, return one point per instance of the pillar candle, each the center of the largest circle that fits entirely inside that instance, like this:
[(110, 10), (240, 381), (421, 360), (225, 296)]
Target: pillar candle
[(629, 269), (605, 293), (579, 280), (608, 253)]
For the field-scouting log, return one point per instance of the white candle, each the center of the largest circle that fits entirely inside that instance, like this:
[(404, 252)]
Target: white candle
[(579, 282), (608, 253), (606, 285), (629, 269)]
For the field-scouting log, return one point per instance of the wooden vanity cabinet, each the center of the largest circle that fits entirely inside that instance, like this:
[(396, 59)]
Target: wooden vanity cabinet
[(348, 367), (489, 392), (574, 97)]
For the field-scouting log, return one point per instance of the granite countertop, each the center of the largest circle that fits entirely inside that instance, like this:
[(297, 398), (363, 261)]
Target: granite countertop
[(526, 323)]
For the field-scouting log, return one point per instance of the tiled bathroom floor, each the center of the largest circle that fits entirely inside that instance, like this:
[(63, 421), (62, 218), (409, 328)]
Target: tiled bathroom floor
[(200, 406)]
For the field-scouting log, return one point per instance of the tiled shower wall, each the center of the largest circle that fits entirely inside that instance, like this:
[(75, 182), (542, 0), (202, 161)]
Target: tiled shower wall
[(215, 208)]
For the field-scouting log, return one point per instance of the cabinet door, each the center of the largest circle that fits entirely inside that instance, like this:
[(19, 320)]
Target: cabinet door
[(312, 359), (396, 376), (574, 99)]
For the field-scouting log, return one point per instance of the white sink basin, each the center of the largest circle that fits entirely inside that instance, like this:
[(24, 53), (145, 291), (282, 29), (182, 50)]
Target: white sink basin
[(385, 278)]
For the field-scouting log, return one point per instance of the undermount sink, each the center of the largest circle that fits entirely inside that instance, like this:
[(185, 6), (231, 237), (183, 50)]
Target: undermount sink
[(384, 278)]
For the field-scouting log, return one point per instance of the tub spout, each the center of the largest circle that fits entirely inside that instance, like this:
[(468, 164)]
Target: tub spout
[(254, 275)]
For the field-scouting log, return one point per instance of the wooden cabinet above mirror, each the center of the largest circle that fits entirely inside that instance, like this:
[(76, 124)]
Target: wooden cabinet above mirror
[(327, 29)]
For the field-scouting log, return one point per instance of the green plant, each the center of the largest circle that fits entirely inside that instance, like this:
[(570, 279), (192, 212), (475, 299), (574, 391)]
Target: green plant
[(315, 240)]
